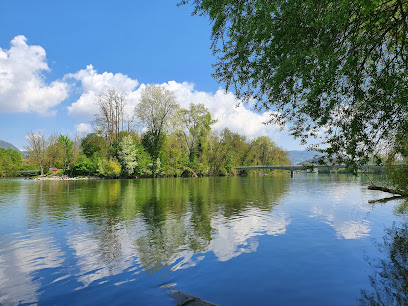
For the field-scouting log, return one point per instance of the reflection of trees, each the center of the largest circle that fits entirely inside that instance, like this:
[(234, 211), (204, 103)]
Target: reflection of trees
[(160, 221), (402, 209), (52, 199), (9, 187), (178, 222), (390, 282)]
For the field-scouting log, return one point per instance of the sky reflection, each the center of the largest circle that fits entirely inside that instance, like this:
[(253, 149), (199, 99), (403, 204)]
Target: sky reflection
[(111, 233)]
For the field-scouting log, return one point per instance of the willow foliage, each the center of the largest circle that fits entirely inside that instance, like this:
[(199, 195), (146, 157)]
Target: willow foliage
[(332, 65)]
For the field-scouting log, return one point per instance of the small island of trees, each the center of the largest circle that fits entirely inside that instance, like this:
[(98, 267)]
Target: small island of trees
[(173, 142)]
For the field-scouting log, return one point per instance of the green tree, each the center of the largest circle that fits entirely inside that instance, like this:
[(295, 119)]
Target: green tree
[(155, 111), (174, 156), (265, 152), (225, 152), (144, 162), (153, 142), (195, 126), (66, 151), (128, 154), (85, 165), (109, 167), (37, 150), (10, 162), (333, 64), (94, 143)]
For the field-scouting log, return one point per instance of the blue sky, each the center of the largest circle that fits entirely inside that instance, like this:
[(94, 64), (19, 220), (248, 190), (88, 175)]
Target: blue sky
[(56, 56)]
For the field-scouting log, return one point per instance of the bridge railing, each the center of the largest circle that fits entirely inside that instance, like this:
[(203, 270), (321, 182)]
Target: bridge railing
[(304, 167)]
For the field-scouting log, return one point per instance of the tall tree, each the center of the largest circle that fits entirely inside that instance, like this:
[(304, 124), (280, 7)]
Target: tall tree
[(195, 126), (66, 151), (333, 64), (265, 152), (111, 118), (94, 143), (37, 149), (155, 111), (128, 154)]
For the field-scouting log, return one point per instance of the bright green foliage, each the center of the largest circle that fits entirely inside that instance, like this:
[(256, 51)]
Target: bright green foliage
[(265, 152), (85, 166), (153, 142), (172, 147), (128, 154), (174, 156), (156, 167), (10, 162), (53, 152), (66, 151), (144, 162), (195, 127), (109, 168), (228, 150), (335, 64), (94, 143), (155, 111), (225, 150)]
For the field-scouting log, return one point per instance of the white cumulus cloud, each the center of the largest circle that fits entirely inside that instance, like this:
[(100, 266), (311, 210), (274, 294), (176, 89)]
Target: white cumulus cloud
[(94, 84), (83, 128), (224, 107), (22, 84)]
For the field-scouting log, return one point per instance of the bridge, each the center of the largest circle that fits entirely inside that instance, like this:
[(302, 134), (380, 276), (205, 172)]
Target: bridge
[(292, 168)]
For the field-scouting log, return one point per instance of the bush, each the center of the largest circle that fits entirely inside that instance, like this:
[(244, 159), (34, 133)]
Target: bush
[(85, 166), (109, 168)]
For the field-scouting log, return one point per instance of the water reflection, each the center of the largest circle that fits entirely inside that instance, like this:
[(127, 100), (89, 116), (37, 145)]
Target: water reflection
[(115, 225), (20, 258), (78, 234), (350, 220), (234, 238), (390, 281)]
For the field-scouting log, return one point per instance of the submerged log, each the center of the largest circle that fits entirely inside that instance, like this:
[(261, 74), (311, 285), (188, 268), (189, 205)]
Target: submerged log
[(385, 189), (182, 298), (385, 200)]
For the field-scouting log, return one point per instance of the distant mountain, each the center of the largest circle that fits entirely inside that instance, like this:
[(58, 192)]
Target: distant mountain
[(299, 157), (7, 145)]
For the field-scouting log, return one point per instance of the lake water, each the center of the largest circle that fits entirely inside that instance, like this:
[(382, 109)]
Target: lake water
[(308, 240)]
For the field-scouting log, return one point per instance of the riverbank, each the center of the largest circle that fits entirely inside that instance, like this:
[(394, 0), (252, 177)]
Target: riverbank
[(64, 178), (59, 177)]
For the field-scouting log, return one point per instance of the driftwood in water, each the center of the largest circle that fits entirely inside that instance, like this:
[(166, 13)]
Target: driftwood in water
[(385, 200), (385, 189), (185, 299)]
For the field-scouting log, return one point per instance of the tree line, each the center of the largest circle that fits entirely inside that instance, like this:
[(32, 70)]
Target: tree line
[(173, 142)]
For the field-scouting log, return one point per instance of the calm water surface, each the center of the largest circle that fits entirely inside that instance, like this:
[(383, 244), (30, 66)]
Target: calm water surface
[(310, 240)]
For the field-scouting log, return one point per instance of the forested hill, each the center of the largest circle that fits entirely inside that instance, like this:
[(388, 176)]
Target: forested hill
[(299, 157), (7, 145)]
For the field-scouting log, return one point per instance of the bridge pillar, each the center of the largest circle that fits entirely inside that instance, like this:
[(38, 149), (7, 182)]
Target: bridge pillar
[(291, 173)]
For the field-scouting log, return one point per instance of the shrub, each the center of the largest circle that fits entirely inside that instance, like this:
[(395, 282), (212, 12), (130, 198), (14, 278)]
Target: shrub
[(109, 168)]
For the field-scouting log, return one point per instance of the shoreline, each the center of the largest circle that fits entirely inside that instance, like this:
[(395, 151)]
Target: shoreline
[(63, 178)]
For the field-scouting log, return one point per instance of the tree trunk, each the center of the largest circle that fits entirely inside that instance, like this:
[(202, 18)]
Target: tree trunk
[(385, 189)]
